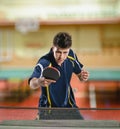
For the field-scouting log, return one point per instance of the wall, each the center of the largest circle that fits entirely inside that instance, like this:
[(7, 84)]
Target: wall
[(91, 42)]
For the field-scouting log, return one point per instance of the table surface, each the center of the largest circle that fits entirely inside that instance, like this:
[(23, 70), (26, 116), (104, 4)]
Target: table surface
[(58, 124)]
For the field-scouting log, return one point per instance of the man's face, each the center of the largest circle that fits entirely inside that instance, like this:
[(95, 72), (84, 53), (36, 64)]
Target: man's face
[(60, 54)]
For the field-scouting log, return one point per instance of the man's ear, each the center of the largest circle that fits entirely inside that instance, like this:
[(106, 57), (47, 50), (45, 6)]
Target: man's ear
[(52, 48)]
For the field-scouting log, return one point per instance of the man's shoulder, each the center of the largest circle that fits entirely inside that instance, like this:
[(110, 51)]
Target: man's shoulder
[(71, 55), (46, 56), (45, 59)]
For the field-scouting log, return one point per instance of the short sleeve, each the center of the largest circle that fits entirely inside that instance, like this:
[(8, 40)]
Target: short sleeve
[(77, 65), (38, 69)]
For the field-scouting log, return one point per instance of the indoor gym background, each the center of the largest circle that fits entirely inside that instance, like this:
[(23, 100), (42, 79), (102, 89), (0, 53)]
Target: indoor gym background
[(96, 40)]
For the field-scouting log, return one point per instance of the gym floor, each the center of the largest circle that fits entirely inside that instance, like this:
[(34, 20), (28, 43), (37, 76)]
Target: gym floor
[(97, 100)]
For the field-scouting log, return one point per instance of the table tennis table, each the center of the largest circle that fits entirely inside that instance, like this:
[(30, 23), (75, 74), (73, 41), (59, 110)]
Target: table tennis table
[(15, 118), (58, 124)]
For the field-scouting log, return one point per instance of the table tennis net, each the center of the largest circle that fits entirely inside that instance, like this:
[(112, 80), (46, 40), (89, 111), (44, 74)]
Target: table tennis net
[(59, 117), (33, 113)]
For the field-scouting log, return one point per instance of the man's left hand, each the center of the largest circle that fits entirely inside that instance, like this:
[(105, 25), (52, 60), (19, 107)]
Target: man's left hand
[(84, 75)]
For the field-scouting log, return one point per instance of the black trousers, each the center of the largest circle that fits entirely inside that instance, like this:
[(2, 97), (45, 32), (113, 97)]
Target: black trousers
[(60, 114)]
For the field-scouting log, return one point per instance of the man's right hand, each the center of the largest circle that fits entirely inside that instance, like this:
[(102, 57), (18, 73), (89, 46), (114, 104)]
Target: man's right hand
[(45, 82), (37, 82)]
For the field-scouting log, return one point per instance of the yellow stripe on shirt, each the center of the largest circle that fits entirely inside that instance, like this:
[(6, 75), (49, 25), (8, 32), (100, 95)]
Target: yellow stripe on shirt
[(48, 94)]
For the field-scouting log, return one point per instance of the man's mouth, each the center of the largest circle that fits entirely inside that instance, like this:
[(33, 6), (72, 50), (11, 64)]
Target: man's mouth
[(60, 60)]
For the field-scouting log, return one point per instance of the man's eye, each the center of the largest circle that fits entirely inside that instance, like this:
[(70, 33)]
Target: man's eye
[(58, 52)]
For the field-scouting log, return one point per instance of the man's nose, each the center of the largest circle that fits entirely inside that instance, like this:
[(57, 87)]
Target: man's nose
[(61, 55)]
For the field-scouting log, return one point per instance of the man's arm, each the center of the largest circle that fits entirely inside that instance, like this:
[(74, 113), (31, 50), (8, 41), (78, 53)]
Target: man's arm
[(38, 82), (34, 83)]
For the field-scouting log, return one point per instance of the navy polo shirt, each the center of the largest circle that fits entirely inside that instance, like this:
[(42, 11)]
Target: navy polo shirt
[(58, 94)]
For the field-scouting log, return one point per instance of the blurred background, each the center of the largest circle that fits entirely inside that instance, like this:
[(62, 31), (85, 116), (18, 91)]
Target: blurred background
[(27, 28)]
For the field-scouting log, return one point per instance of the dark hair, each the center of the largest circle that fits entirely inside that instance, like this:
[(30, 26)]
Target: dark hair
[(62, 40)]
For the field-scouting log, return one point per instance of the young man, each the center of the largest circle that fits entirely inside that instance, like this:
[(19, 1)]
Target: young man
[(58, 94)]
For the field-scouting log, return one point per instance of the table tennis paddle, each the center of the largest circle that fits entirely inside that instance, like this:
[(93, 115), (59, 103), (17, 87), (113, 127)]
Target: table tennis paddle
[(51, 73)]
